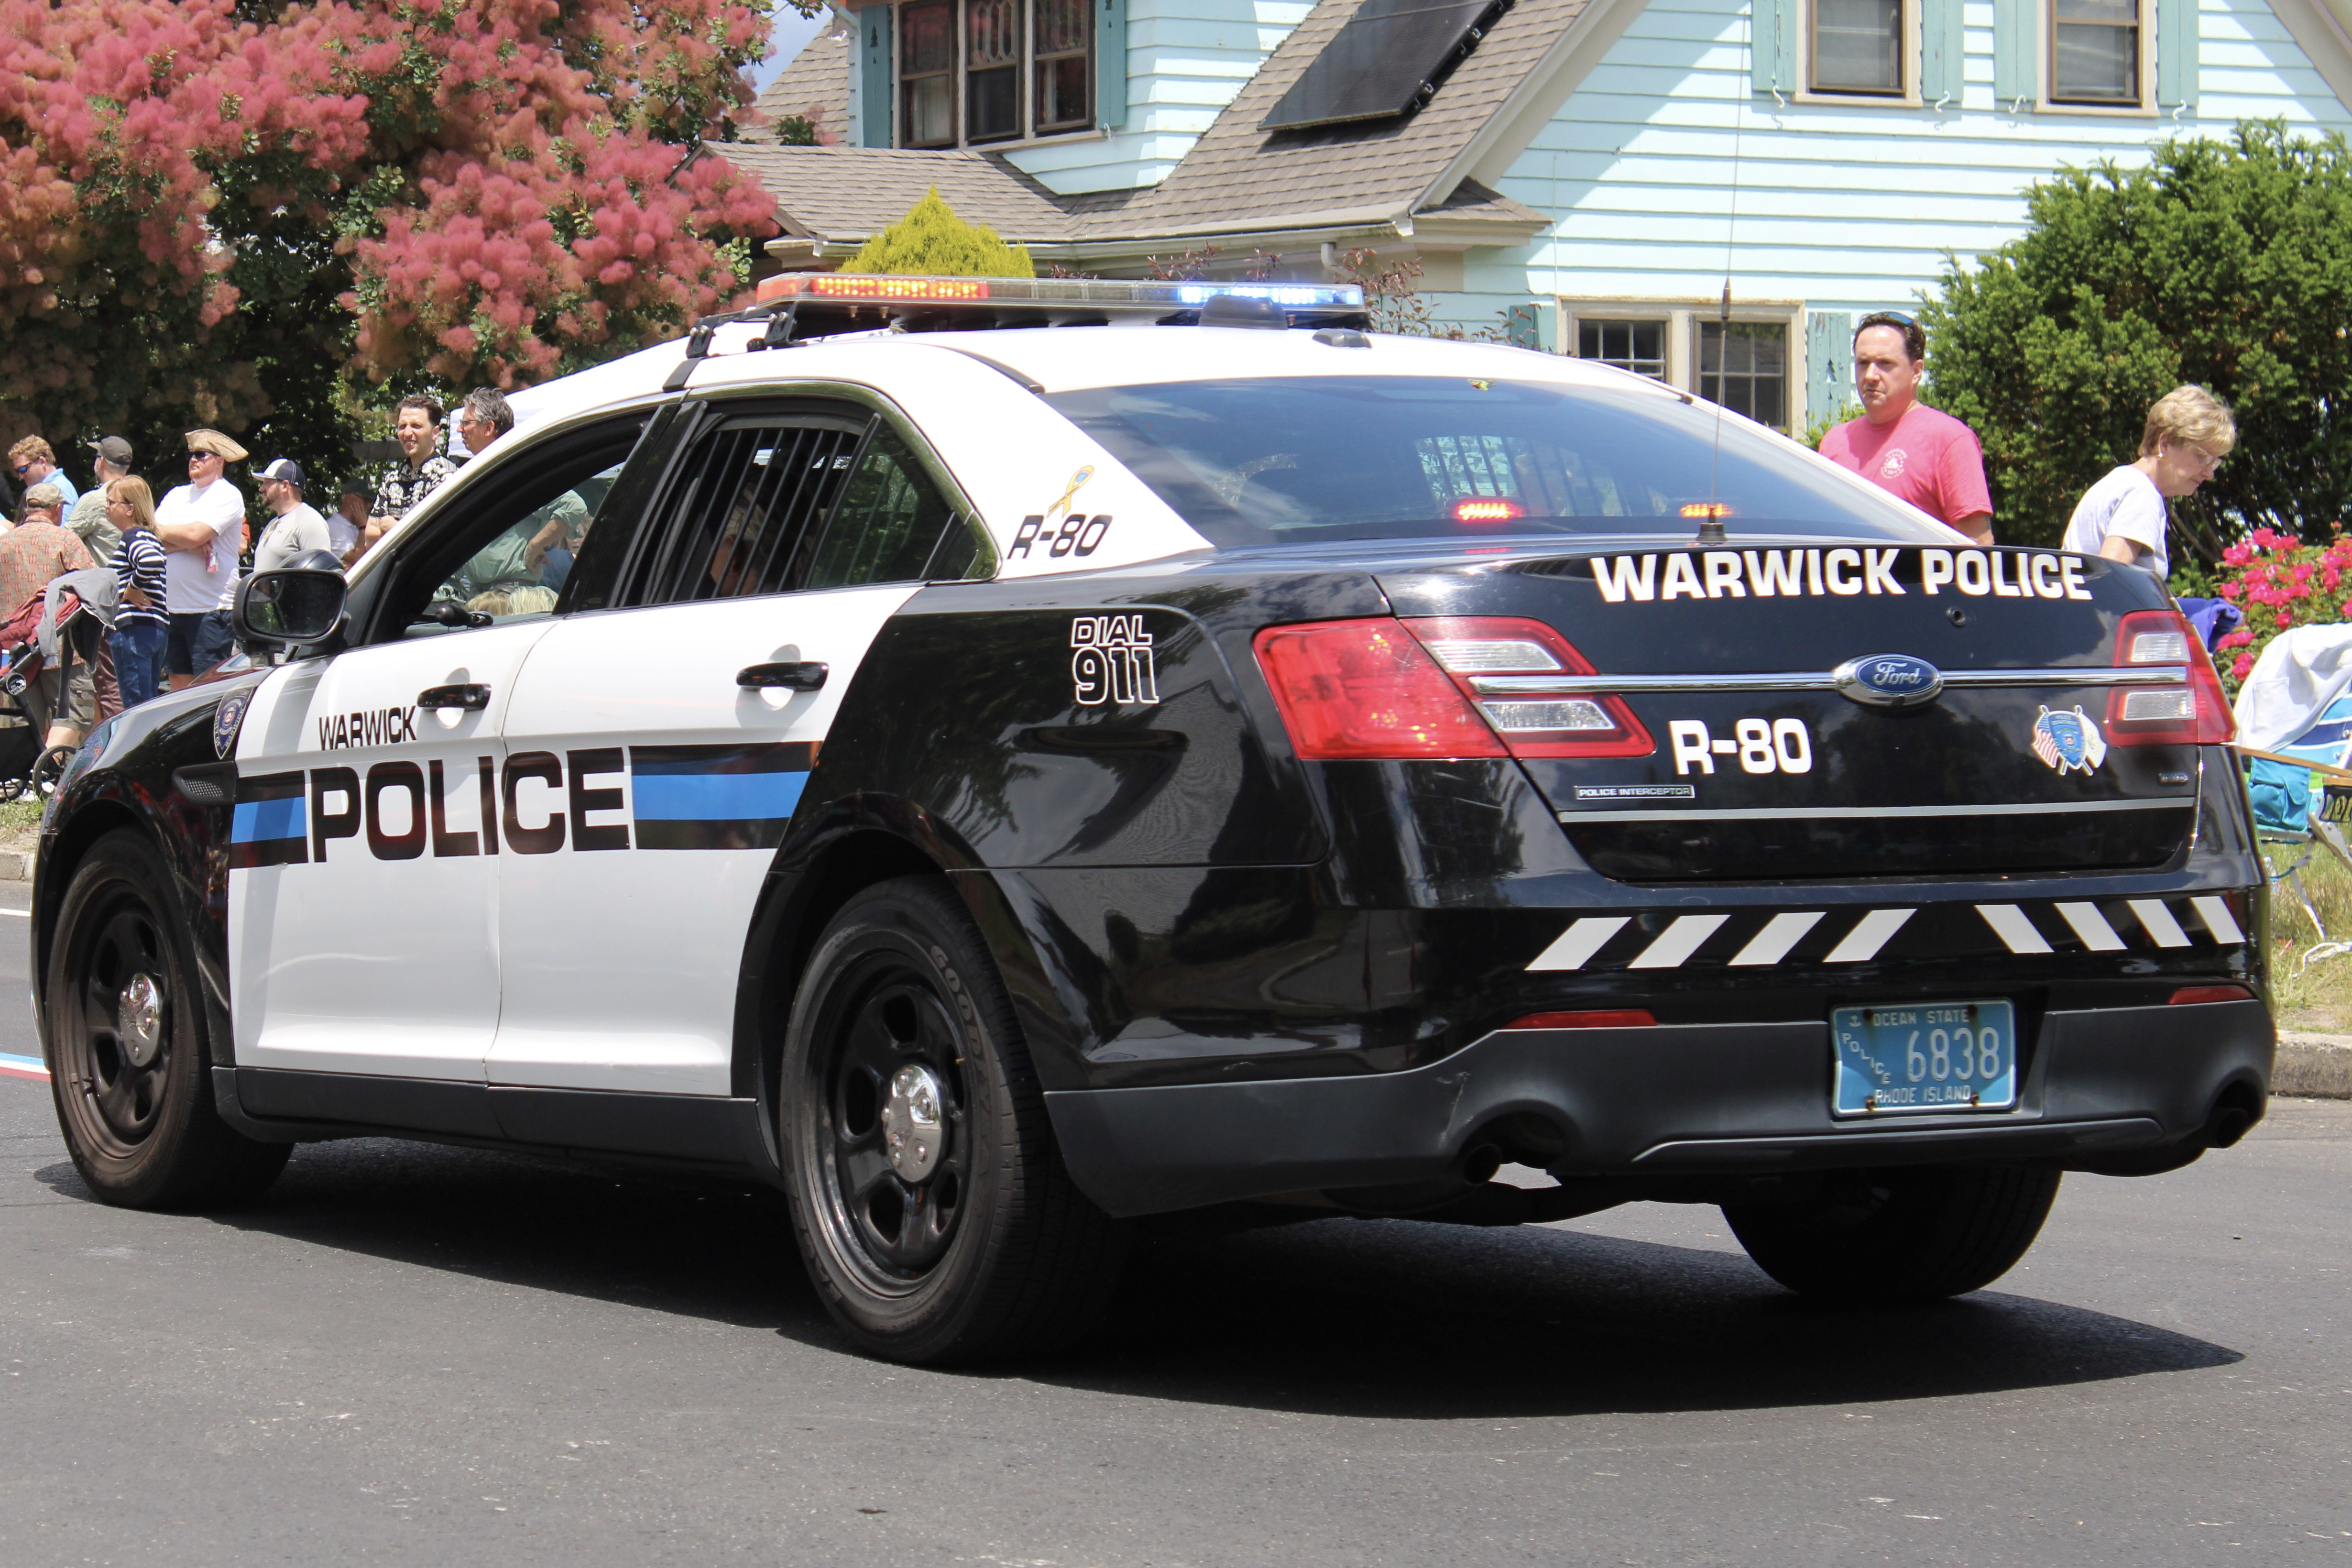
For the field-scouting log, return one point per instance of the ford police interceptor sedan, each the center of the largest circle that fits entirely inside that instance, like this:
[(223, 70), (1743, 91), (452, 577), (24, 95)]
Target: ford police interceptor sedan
[(1004, 758)]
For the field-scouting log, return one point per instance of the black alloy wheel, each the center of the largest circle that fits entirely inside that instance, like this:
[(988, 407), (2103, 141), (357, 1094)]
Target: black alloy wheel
[(893, 1117), (127, 1062), (927, 1195)]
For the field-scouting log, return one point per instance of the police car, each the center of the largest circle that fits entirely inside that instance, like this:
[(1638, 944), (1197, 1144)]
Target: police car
[(1011, 757)]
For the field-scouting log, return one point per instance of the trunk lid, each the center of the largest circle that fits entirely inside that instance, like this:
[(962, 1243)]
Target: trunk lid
[(1764, 766)]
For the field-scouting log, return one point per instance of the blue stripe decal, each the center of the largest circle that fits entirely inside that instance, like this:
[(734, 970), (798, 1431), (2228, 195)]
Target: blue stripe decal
[(255, 820), (713, 797)]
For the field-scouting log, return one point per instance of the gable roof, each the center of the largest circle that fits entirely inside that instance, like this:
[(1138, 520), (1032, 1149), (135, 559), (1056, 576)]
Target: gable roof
[(1235, 180), (1238, 176), (815, 85)]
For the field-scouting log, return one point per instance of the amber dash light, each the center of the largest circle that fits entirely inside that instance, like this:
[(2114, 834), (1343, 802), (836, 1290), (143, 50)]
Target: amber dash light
[(861, 289), (1707, 509), (1602, 1018), (1481, 509)]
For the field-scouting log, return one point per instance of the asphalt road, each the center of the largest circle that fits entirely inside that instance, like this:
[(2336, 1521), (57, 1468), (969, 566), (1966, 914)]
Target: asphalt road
[(416, 1355)]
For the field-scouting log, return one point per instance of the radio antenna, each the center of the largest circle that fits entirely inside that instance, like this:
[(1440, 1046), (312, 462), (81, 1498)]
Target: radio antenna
[(1710, 531)]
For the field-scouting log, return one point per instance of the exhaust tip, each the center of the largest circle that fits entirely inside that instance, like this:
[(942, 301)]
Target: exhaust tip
[(1480, 1164)]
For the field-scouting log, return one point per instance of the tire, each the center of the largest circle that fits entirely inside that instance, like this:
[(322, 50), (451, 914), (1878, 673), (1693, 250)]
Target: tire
[(1886, 1237), (128, 1070), (973, 1245)]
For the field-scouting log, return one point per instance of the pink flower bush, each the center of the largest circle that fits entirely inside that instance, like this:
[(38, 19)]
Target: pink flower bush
[(490, 190), (2280, 581)]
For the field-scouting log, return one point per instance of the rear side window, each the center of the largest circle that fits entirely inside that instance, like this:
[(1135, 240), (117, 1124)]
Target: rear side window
[(1307, 459), (892, 525), (753, 492)]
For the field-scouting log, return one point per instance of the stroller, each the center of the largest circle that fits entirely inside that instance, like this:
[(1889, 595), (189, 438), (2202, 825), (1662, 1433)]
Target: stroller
[(59, 628)]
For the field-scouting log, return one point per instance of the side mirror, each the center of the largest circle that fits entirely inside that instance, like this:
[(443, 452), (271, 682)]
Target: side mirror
[(298, 604)]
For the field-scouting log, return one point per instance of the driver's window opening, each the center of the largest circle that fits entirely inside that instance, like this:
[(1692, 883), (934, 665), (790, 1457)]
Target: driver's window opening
[(519, 573)]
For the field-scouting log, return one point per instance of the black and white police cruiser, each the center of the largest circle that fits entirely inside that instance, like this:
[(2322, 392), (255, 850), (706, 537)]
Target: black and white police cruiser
[(1010, 757)]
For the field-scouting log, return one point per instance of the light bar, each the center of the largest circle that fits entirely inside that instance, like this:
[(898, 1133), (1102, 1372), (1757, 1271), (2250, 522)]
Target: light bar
[(862, 289)]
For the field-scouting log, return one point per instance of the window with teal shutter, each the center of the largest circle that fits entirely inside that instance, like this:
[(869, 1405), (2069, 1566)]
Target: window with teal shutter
[(1110, 63), (1829, 365), (1942, 52), (873, 77), (1772, 45), (2176, 53)]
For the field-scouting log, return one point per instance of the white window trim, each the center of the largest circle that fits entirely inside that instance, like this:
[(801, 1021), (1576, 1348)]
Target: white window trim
[(1683, 316), (1029, 136), (2045, 36), (1907, 54)]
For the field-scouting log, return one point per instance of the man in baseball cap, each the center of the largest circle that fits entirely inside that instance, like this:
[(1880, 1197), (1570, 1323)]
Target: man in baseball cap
[(87, 517), (299, 528)]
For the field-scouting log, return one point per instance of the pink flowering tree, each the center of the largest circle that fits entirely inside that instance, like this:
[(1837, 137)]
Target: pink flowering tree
[(265, 218), (2280, 581)]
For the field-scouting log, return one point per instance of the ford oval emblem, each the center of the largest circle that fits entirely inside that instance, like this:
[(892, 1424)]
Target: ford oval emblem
[(1889, 680)]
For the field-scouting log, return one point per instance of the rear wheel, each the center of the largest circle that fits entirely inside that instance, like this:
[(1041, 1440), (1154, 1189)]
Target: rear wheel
[(1883, 1237), (929, 1200), (126, 1044)]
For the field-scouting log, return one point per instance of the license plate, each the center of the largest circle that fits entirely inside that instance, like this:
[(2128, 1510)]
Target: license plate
[(1931, 1056)]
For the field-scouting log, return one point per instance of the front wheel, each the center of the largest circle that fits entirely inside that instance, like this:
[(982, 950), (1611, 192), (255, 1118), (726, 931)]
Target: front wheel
[(1885, 1237), (126, 1042), (929, 1200)]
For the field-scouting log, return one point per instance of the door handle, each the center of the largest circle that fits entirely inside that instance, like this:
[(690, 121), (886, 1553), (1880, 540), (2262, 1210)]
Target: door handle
[(790, 677), (472, 698)]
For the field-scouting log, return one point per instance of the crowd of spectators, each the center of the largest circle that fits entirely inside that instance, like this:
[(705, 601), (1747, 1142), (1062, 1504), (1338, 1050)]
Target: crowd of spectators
[(114, 595)]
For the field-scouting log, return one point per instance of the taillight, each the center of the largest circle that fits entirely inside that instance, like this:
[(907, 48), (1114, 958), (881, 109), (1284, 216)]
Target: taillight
[(2194, 712), (1597, 1018), (1520, 674), (1365, 688)]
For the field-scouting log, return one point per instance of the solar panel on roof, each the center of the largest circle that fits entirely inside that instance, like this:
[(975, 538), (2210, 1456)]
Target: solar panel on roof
[(1389, 60)]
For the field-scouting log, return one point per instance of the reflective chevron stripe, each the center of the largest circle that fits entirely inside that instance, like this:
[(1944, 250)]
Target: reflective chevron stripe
[(2009, 924), (2215, 913), (1664, 941)]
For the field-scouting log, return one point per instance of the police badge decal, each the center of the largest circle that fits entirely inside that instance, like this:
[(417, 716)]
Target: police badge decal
[(2068, 740), (226, 719)]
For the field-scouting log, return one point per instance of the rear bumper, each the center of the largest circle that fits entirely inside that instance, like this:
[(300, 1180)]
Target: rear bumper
[(1686, 1100)]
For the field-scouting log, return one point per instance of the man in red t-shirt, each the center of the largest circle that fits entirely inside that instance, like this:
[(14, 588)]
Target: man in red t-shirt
[(1902, 445)]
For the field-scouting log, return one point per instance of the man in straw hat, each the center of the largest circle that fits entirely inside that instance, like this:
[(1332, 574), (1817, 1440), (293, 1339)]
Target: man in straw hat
[(202, 524)]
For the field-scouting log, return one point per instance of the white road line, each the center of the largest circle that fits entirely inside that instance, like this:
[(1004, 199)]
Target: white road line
[(2009, 924), (1870, 933), (2159, 922), (2091, 927), (1771, 944), (28, 914), (2217, 919), (1580, 941), (1678, 941)]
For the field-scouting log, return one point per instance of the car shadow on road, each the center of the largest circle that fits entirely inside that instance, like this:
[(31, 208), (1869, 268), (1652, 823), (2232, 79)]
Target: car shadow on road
[(1366, 1318), (1388, 1317)]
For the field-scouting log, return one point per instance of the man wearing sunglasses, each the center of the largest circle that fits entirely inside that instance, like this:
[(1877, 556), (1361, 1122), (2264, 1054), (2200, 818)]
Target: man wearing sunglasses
[(1904, 448), (33, 463), (2122, 517), (201, 525)]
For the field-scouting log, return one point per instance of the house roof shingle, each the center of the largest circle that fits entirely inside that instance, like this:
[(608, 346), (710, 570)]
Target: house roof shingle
[(1237, 179), (815, 85)]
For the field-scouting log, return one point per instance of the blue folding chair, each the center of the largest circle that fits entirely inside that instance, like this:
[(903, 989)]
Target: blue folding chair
[(2289, 810)]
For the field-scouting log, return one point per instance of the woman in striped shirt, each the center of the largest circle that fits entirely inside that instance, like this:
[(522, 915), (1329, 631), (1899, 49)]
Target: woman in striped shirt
[(140, 628)]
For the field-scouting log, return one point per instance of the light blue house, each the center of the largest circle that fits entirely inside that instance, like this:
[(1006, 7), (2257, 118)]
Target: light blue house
[(1588, 170)]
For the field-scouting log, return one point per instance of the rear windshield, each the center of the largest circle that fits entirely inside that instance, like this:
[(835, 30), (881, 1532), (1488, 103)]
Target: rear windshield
[(1305, 459)]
